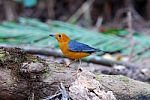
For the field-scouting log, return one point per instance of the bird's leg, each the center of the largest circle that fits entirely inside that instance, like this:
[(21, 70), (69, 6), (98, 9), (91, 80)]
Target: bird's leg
[(71, 63), (78, 68)]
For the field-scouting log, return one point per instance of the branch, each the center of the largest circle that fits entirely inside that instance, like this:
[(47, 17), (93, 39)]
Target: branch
[(54, 52)]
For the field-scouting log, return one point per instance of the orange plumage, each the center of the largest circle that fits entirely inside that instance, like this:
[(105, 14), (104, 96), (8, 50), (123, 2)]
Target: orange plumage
[(63, 41)]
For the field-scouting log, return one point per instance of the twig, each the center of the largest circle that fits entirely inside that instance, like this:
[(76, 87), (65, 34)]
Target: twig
[(81, 10), (140, 54), (130, 29), (32, 96), (52, 97), (65, 95)]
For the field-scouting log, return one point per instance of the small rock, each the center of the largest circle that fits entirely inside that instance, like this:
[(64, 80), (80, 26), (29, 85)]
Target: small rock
[(36, 67), (32, 67)]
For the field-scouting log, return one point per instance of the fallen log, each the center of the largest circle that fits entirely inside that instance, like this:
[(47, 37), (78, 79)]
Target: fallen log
[(24, 76)]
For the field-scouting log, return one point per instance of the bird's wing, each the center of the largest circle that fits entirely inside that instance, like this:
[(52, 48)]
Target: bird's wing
[(80, 47)]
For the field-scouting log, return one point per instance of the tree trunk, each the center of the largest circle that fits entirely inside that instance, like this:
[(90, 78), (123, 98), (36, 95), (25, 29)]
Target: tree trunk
[(148, 9), (51, 11), (10, 11)]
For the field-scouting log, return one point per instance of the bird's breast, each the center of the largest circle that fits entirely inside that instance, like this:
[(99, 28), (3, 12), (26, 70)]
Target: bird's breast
[(70, 54)]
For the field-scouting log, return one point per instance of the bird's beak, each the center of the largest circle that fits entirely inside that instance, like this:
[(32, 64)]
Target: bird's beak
[(51, 35)]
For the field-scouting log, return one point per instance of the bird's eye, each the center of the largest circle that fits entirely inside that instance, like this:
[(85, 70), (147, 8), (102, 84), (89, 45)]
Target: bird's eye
[(59, 35)]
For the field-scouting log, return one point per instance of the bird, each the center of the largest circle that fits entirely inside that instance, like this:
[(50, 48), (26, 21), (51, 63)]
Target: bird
[(72, 48)]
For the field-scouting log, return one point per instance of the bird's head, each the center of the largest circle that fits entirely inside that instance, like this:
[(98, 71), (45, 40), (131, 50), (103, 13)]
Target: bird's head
[(61, 37)]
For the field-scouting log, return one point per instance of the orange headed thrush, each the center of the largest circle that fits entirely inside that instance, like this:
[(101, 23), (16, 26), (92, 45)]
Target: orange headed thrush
[(73, 49)]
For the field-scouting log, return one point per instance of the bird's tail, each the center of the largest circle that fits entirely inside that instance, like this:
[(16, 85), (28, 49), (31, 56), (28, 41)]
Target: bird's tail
[(104, 52)]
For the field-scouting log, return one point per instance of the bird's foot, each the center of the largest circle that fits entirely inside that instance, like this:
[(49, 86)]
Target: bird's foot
[(79, 70), (67, 65)]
